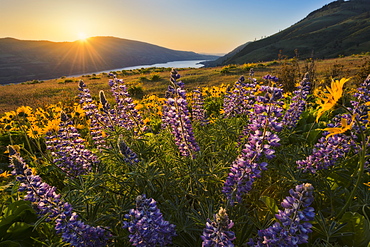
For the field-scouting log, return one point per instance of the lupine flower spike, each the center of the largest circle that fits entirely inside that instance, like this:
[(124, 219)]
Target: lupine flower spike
[(128, 116), (260, 139), (198, 113), (130, 156), (298, 104), (68, 149), (97, 121), (217, 233), (50, 204), (241, 99), (146, 224), (293, 224), (176, 116)]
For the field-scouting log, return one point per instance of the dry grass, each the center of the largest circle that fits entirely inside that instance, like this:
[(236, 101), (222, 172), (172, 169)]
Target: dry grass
[(61, 89)]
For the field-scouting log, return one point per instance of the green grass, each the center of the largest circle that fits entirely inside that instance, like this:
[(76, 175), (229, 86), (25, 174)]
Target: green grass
[(55, 90)]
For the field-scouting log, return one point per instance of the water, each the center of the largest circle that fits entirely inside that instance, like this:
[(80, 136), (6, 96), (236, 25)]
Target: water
[(174, 64)]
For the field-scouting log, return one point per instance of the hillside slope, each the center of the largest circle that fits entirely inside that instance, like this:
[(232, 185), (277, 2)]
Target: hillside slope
[(22, 60), (338, 28)]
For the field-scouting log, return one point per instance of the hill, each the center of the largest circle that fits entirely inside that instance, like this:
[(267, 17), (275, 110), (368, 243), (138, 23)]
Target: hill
[(338, 28), (22, 60)]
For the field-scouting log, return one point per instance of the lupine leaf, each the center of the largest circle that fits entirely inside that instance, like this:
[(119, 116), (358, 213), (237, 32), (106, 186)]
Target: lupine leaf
[(357, 224), (270, 203)]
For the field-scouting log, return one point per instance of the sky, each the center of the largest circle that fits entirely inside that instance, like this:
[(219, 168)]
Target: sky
[(202, 26)]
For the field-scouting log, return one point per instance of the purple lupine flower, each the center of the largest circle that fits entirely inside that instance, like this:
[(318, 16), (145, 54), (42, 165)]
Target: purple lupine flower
[(292, 227), (217, 232), (271, 78), (198, 113), (333, 148), (176, 116), (128, 116), (329, 150), (130, 156), (241, 99), (98, 121), (360, 105), (298, 104), (146, 224), (258, 140), (49, 204), (68, 149)]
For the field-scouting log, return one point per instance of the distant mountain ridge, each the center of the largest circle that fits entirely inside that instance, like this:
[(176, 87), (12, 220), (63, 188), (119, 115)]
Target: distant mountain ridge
[(22, 60), (338, 28)]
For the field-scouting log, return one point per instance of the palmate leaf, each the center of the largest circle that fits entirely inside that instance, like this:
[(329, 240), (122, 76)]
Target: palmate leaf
[(329, 231), (9, 243), (18, 211), (16, 224), (270, 204), (360, 227)]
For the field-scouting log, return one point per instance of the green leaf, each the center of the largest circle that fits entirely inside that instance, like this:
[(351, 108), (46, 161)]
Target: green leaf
[(270, 203), (9, 243), (357, 224), (18, 211)]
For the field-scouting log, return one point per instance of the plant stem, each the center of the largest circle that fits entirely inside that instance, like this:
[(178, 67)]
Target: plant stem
[(360, 172)]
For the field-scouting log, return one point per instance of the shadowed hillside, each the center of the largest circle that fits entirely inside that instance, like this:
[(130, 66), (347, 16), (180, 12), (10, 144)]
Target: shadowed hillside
[(338, 28), (22, 60)]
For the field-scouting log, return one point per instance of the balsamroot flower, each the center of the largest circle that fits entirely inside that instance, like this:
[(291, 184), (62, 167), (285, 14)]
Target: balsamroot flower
[(329, 100), (298, 104), (292, 227), (68, 149), (260, 139), (146, 224), (176, 116), (217, 233), (50, 205), (344, 126)]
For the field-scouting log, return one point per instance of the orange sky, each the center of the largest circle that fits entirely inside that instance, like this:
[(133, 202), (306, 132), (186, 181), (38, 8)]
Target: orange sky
[(203, 26)]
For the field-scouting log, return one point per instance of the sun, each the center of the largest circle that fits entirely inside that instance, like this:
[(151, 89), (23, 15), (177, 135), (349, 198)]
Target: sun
[(82, 36)]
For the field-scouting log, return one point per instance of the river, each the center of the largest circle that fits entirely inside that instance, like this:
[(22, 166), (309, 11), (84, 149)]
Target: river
[(174, 64)]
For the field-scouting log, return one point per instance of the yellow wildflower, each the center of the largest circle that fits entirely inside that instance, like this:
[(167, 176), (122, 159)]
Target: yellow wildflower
[(56, 108), (9, 116), (78, 111), (329, 99), (139, 106), (31, 119), (146, 120), (367, 184), (35, 132), (344, 127), (80, 126), (5, 174), (52, 125), (152, 97), (104, 134), (24, 111)]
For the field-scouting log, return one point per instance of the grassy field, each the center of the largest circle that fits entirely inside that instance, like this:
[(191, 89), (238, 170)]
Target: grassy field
[(155, 80)]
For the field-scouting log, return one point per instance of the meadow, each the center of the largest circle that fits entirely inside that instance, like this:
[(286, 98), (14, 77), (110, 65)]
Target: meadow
[(264, 154)]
